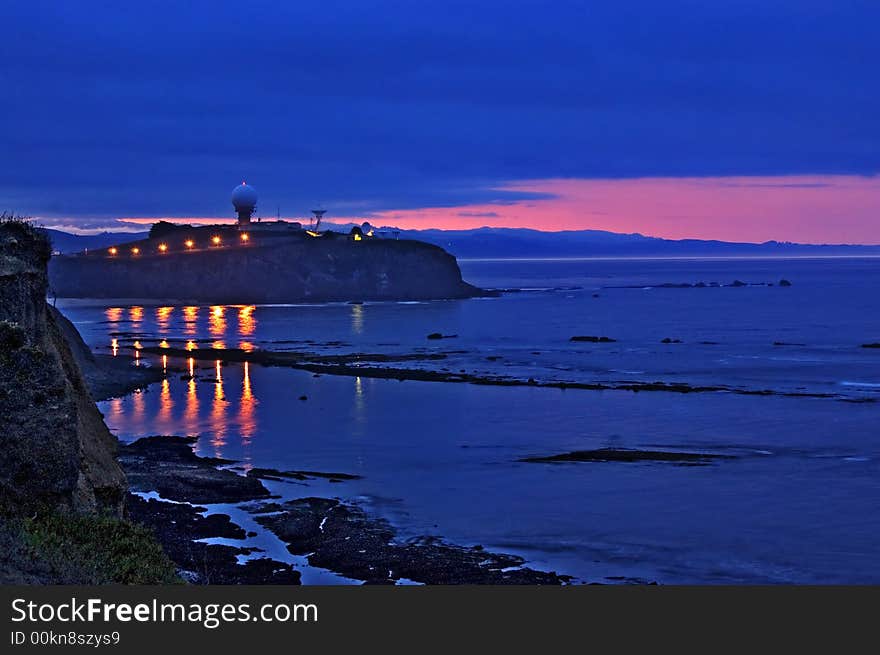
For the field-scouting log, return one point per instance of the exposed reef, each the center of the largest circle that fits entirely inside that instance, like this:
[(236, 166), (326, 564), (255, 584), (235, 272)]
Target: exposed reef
[(628, 455), (337, 536), (342, 538), (357, 364), (275, 474), (736, 284), (169, 466), (178, 525)]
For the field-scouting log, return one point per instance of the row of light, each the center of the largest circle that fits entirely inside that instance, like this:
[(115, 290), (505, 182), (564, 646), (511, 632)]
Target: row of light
[(189, 243)]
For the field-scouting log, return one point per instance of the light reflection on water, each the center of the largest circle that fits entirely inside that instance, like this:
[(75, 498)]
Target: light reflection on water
[(219, 402), (217, 322), (163, 317), (170, 329), (219, 407), (451, 451), (247, 323), (190, 319), (357, 319)]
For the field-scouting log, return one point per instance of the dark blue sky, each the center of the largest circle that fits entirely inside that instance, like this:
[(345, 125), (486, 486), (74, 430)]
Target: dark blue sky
[(159, 109)]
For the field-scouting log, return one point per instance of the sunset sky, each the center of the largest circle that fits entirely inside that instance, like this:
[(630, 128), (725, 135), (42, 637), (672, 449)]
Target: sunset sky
[(744, 121)]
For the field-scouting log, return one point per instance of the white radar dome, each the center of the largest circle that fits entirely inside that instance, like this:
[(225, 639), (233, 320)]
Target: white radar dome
[(244, 196)]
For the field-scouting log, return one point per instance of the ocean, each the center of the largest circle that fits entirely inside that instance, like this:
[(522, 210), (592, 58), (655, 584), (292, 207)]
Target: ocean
[(795, 405)]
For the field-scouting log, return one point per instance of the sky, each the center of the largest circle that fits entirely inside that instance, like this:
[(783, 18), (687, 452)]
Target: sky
[(733, 119)]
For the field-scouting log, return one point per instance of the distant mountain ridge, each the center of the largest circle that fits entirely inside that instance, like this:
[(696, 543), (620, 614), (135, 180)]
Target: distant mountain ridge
[(65, 242), (523, 242)]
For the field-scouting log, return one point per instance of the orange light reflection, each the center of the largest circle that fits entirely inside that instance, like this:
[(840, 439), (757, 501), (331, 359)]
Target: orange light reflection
[(217, 321), (190, 319), (247, 323)]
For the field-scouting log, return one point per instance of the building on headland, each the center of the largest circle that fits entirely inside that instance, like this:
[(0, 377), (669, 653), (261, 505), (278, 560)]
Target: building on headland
[(254, 261)]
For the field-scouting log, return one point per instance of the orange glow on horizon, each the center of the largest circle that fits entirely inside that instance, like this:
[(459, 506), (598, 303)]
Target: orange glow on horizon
[(802, 208)]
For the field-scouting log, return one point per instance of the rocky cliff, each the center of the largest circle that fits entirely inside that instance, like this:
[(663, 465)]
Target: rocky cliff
[(55, 450), (288, 269)]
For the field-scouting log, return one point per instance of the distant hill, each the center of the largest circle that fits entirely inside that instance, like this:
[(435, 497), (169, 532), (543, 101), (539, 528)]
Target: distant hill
[(522, 242), (65, 242)]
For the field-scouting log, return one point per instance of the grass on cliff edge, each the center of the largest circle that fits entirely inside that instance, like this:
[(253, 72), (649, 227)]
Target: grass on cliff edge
[(56, 548)]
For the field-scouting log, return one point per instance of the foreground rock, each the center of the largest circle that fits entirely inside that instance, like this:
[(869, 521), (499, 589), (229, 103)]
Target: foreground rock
[(275, 474), (627, 455), (342, 538), (169, 466), (177, 525)]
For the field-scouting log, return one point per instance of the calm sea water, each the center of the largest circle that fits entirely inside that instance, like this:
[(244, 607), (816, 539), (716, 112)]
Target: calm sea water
[(798, 504)]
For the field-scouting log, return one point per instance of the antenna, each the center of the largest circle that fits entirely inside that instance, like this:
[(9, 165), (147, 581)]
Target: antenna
[(319, 214)]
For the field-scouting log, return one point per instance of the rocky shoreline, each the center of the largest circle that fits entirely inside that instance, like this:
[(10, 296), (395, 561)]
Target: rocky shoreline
[(331, 534)]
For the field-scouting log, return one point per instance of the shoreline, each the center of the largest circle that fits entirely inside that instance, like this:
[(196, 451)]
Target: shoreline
[(169, 485)]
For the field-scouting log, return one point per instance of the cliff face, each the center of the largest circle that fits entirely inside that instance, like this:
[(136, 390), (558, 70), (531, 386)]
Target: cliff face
[(295, 269), (55, 450)]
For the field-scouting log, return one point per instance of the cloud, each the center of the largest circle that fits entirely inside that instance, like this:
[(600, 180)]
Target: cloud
[(817, 209), (466, 214), (159, 109)]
